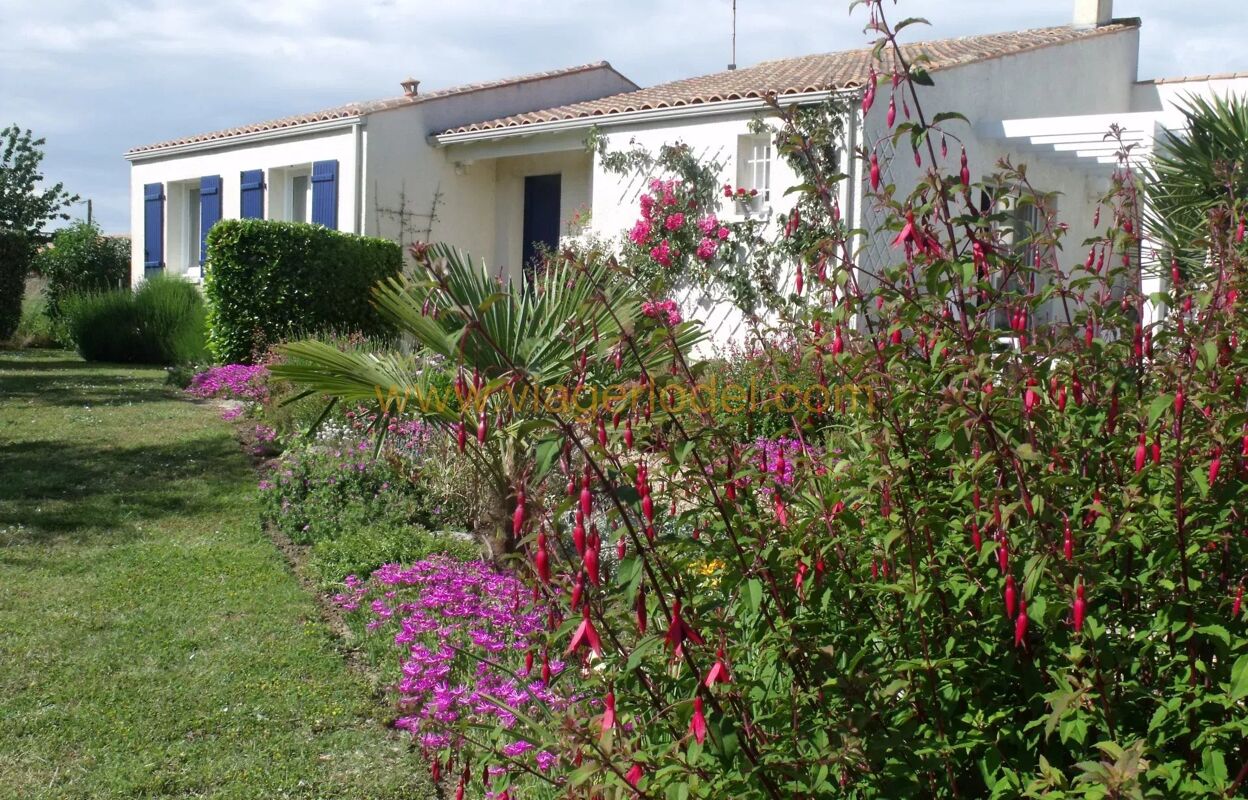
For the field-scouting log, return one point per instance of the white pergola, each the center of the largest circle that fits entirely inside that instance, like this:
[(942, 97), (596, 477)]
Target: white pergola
[(1089, 144), (1083, 141)]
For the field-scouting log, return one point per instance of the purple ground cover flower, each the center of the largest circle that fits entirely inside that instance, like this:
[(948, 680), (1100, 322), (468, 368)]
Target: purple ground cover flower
[(232, 382), (463, 629)]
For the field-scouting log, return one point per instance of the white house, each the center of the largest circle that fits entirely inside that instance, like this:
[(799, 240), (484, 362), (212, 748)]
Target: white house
[(510, 165)]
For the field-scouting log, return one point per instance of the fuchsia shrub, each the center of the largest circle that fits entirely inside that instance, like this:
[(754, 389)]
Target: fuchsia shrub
[(1016, 570)]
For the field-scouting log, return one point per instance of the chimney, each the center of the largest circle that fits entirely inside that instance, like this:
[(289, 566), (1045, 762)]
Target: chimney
[(410, 86), (1093, 13)]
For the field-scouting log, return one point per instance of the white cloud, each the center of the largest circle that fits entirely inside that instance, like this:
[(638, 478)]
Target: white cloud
[(97, 78)]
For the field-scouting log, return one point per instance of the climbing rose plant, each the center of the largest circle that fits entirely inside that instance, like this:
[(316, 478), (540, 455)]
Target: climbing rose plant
[(1012, 569)]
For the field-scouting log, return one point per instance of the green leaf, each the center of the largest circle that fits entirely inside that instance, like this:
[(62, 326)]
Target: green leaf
[(1239, 678), (754, 593)]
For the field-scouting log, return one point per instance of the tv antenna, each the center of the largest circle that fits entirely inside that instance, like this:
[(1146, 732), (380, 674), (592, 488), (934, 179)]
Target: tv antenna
[(733, 64)]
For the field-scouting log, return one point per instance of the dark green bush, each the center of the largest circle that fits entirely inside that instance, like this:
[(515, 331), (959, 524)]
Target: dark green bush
[(15, 257), (81, 260), (270, 281), (161, 323)]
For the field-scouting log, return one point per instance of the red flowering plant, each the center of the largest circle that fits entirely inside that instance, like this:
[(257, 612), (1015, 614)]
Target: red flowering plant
[(1012, 571)]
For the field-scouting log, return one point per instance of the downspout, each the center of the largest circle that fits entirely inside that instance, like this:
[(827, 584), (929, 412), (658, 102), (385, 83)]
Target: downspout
[(357, 131)]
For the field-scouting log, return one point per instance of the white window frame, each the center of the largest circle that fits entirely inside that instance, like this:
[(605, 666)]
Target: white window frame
[(754, 167)]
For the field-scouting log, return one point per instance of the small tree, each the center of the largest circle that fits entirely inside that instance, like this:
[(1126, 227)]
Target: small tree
[(14, 265), (23, 205), (82, 260)]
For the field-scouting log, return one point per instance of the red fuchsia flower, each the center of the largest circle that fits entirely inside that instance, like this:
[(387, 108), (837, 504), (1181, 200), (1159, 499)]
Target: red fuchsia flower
[(697, 724), (706, 249), (628, 434), (1011, 596), (482, 428), (1141, 454), (718, 673), (1068, 541), (679, 631), (868, 97), (608, 714), (541, 558), (1215, 466), (517, 520), (640, 232), (1020, 625), (587, 497), (875, 173), (674, 221), (1238, 604), (634, 776), (892, 112), (966, 170), (461, 436), (586, 635), (1080, 609), (1030, 397)]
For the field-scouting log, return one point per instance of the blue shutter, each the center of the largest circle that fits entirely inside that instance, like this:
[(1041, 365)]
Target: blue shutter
[(325, 193), (154, 226), (209, 210), (251, 194)]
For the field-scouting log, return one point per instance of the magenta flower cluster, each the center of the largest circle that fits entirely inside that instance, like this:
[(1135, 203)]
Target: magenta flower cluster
[(232, 382), (465, 631), (669, 222), (665, 311), (775, 458)]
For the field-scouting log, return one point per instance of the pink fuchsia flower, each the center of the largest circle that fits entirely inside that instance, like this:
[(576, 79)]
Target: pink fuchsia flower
[(663, 253), (707, 248), (708, 225), (640, 232), (674, 221)]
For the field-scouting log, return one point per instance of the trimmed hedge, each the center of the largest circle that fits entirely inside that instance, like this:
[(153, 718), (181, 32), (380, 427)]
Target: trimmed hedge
[(268, 282), (15, 257)]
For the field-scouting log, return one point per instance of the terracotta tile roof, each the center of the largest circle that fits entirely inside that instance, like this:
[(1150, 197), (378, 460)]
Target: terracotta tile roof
[(1221, 76), (366, 107), (802, 74)]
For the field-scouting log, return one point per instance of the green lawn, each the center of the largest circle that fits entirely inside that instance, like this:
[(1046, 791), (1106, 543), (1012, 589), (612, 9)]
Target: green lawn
[(153, 642)]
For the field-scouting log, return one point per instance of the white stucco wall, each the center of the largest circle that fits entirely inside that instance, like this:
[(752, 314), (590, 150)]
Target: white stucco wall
[(181, 170), (1168, 96), (1093, 76)]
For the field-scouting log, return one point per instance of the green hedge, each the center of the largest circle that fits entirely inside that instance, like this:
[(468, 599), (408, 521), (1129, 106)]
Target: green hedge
[(268, 281), (82, 260), (15, 257)]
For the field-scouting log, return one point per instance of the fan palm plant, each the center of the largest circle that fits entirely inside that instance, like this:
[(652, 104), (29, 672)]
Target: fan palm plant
[(577, 323), (1193, 175)]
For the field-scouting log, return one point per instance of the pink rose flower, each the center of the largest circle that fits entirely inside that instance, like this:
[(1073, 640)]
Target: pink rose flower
[(674, 221), (723, 233), (662, 253), (708, 225), (640, 232), (706, 248)]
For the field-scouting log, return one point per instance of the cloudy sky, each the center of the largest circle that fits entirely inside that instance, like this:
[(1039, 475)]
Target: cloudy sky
[(98, 77)]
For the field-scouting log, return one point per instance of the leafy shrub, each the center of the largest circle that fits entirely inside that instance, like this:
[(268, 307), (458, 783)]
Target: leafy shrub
[(81, 260), (161, 323), (268, 281), (36, 328), (358, 550), (15, 258)]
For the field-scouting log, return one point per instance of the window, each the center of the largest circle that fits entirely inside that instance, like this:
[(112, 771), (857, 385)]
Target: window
[(1019, 222), (754, 168), (300, 188)]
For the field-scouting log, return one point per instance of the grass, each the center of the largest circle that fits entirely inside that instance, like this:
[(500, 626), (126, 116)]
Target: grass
[(153, 642)]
